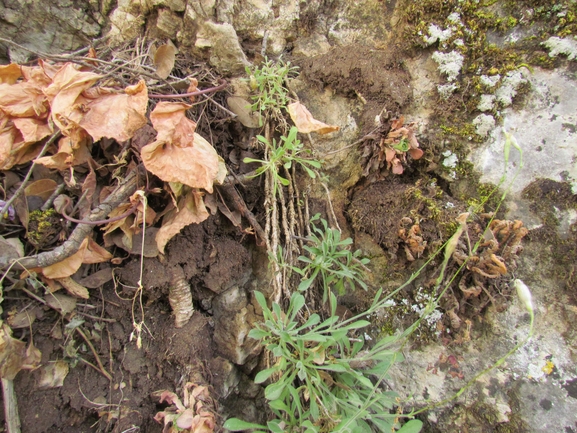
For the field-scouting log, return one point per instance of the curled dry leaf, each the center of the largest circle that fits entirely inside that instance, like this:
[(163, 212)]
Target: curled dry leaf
[(42, 188), (67, 85), (115, 115), (179, 154), (305, 122), (190, 210), (89, 252), (71, 151), (164, 58)]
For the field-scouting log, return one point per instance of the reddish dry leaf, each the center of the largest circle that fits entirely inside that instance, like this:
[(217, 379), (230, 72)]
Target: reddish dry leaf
[(179, 154), (416, 153), (32, 129), (114, 115), (164, 60), (89, 252), (23, 99), (192, 87), (71, 151), (305, 122), (9, 74), (66, 87), (191, 209)]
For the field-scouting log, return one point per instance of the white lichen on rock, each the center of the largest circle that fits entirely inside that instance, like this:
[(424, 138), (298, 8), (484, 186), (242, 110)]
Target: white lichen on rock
[(484, 124), (450, 160), (450, 63), (489, 81), (508, 89), (437, 34), (446, 90), (486, 103), (565, 46)]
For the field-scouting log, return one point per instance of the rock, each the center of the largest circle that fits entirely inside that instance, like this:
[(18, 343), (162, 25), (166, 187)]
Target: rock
[(234, 317), (225, 376), (224, 51), (47, 27), (173, 5), (168, 23), (124, 25)]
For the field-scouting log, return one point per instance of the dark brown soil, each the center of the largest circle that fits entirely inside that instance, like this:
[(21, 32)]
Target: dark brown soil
[(213, 259), (377, 77)]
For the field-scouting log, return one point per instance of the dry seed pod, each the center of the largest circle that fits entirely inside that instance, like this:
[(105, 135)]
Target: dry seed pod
[(180, 297)]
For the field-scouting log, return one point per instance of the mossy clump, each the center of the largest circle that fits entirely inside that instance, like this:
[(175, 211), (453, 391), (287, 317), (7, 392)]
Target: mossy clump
[(44, 228)]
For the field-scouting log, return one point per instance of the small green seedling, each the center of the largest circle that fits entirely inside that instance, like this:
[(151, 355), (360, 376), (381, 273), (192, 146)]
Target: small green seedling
[(331, 260), (283, 153)]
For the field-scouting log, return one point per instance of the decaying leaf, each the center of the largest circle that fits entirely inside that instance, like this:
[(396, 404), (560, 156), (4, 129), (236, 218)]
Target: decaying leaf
[(97, 279), (190, 210), (42, 188), (67, 85), (115, 115), (74, 288), (242, 108), (12, 354), (64, 304), (71, 151), (9, 74), (179, 154), (89, 252), (22, 319), (164, 58), (53, 374), (305, 122)]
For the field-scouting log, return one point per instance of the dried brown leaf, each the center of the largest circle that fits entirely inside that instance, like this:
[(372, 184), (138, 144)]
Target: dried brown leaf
[(12, 354), (97, 279), (89, 252), (64, 304), (305, 122), (53, 374), (67, 85), (179, 154), (115, 115), (74, 288), (71, 151), (23, 99), (190, 210), (9, 74), (164, 58), (42, 188)]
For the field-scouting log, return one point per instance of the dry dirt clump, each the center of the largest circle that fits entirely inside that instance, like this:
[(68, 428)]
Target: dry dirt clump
[(375, 77)]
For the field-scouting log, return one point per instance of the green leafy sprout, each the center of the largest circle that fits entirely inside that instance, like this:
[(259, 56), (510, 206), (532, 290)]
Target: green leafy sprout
[(268, 83), (283, 153), (330, 261), (320, 364)]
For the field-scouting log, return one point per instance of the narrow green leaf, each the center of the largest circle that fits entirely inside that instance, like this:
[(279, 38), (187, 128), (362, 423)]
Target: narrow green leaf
[(358, 324), (235, 424)]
